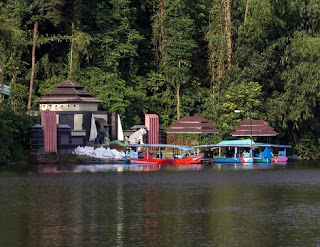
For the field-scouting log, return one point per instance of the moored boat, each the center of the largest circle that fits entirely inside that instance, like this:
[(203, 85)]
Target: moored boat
[(180, 155), (248, 151)]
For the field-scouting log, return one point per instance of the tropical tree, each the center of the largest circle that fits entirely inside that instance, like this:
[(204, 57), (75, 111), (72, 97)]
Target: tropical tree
[(12, 46), (175, 44), (245, 97), (41, 12)]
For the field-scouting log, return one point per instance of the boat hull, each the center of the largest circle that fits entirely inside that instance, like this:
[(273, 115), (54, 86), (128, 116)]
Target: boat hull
[(182, 161), (242, 160), (233, 160), (280, 160)]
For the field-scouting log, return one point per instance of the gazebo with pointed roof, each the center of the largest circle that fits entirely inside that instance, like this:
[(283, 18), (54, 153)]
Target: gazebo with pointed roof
[(68, 96), (75, 107), (254, 128), (192, 125)]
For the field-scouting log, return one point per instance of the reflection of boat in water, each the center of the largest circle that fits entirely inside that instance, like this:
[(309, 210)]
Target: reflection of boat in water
[(158, 167), (193, 167), (143, 167), (180, 155), (248, 151), (111, 168), (246, 166)]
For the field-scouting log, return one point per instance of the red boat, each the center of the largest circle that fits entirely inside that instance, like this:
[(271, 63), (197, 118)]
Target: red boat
[(181, 155)]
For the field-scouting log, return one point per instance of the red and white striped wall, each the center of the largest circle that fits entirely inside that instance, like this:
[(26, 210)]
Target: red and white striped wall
[(152, 125), (49, 125)]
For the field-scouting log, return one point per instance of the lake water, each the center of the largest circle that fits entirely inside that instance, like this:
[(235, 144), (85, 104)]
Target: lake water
[(219, 205)]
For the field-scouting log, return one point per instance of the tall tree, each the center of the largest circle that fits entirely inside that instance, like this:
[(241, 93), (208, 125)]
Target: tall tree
[(219, 51), (175, 44), (227, 13), (33, 63), (260, 44), (158, 33), (219, 42), (111, 68), (80, 42), (42, 11), (12, 44)]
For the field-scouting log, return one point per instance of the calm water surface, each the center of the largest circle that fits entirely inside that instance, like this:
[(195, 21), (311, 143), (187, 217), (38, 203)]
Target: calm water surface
[(220, 205)]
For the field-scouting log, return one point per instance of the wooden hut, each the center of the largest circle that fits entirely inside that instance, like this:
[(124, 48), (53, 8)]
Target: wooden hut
[(254, 128), (192, 125)]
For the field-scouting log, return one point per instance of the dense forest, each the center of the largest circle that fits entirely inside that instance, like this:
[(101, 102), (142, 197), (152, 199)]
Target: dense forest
[(174, 58)]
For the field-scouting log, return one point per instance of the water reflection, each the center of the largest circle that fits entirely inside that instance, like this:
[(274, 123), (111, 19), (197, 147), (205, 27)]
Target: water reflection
[(152, 167), (275, 207), (248, 166), (112, 168)]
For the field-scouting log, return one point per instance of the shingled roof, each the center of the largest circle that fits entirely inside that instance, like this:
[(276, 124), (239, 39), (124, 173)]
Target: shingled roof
[(67, 92), (253, 128), (192, 125)]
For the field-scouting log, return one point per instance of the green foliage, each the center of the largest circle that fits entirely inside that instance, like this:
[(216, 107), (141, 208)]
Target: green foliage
[(15, 134), (79, 47), (174, 35), (245, 97), (259, 45), (18, 97), (301, 96), (116, 43), (6, 139), (217, 43), (160, 99), (193, 100), (145, 56), (178, 49), (308, 146), (12, 41), (43, 11), (107, 87)]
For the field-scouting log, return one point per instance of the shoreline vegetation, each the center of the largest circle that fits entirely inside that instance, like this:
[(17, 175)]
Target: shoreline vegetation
[(168, 57)]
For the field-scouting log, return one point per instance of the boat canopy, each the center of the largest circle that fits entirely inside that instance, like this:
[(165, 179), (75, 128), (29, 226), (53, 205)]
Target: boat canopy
[(260, 144), (186, 148), (230, 143), (242, 143), (246, 142)]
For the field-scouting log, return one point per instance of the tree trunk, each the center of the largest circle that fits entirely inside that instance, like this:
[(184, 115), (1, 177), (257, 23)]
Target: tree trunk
[(246, 11), (1, 82), (14, 80), (35, 30), (228, 30), (158, 35), (178, 100), (161, 18), (178, 94), (71, 68)]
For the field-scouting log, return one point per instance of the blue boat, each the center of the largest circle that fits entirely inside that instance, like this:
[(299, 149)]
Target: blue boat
[(247, 151)]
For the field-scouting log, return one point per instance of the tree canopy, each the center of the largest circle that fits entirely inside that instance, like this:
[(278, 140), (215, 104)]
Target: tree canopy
[(173, 58)]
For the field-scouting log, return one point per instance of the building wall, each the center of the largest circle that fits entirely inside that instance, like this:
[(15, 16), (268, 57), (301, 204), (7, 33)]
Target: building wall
[(152, 125), (78, 121), (67, 119), (69, 107)]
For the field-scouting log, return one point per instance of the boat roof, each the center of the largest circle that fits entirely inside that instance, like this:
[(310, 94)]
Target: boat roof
[(246, 142), (187, 148), (242, 143), (231, 145), (260, 144)]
